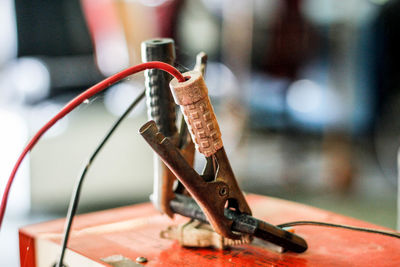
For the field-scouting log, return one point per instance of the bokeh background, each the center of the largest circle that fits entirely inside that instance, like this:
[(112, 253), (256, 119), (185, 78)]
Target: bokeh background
[(306, 93)]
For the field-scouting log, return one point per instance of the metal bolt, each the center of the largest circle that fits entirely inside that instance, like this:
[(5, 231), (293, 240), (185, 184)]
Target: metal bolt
[(223, 191), (141, 259)]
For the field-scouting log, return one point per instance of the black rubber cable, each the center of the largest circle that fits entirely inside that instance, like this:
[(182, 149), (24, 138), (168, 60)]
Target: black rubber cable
[(73, 205), (354, 228)]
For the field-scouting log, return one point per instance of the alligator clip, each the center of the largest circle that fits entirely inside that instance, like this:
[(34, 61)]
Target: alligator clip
[(217, 188), (229, 221), (216, 191)]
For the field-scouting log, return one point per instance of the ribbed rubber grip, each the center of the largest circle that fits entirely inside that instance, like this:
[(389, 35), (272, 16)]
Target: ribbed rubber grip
[(160, 104), (192, 96)]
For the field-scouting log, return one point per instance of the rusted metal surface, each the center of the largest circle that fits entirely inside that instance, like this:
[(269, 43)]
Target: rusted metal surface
[(218, 187), (225, 174), (201, 63), (133, 231), (207, 194), (196, 233), (166, 187), (244, 224)]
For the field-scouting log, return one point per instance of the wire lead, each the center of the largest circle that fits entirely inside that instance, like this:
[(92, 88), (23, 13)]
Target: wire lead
[(73, 204)]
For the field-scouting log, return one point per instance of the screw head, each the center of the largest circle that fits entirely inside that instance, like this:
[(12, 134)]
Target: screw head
[(141, 259), (223, 191)]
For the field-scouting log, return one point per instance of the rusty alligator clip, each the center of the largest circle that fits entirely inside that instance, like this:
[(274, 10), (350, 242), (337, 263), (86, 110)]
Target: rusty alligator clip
[(212, 196), (217, 187), (217, 192), (203, 129)]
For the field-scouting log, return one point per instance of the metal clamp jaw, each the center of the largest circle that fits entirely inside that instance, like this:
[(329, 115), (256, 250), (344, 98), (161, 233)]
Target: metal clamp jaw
[(192, 96), (211, 196), (218, 188)]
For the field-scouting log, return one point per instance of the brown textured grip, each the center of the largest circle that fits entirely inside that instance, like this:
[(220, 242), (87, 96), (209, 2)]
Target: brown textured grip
[(192, 96)]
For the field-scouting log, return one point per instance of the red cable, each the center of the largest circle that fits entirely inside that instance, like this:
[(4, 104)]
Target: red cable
[(76, 102)]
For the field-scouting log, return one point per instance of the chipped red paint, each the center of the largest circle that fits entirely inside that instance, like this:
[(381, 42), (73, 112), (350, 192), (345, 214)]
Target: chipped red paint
[(134, 231)]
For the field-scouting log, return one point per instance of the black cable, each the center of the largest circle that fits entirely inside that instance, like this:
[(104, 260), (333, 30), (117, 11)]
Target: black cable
[(73, 205), (354, 228)]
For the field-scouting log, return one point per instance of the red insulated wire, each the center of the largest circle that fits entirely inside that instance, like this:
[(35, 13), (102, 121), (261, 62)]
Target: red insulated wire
[(76, 102)]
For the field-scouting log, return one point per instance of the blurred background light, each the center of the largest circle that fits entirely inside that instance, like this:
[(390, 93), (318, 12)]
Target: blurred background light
[(12, 141), (112, 53), (31, 78), (220, 80), (8, 31), (120, 96), (304, 96), (41, 113), (151, 3)]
